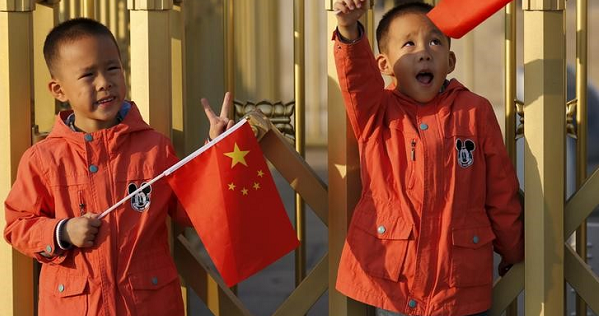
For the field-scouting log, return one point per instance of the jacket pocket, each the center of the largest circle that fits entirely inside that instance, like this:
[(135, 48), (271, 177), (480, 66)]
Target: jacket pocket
[(379, 242), (472, 256), (66, 293), (157, 292)]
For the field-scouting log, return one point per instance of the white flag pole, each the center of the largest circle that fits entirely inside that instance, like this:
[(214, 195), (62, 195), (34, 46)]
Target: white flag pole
[(175, 166)]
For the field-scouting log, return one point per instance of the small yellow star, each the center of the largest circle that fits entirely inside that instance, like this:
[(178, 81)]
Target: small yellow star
[(256, 185), (237, 156), (232, 186), (244, 191), (260, 173)]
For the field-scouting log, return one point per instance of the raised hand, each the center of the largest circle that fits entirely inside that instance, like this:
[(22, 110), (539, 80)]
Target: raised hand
[(81, 231), (349, 12), (218, 124)]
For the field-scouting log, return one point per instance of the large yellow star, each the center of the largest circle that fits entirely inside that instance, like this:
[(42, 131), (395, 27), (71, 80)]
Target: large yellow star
[(237, 156)]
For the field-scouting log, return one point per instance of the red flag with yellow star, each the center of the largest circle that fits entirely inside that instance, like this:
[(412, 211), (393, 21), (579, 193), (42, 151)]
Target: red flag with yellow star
[(233, 203)]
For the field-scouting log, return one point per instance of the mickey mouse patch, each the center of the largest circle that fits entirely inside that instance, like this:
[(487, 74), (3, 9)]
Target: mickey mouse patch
[(140, 201), (465, 149)]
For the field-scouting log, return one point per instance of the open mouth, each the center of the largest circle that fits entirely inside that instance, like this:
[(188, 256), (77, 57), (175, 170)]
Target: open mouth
[(424, 77)]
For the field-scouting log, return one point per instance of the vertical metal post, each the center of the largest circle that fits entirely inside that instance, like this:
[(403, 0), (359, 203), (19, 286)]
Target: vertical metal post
[(16, 45), (300, 122), (229, 31), (544, 100), (151, 74), (510, 97), (45, 17), (581, 127), (510, 80), (89, 9)]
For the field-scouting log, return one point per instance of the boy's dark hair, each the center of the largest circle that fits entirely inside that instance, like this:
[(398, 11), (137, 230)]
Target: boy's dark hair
[(70, 31), (382, 30)]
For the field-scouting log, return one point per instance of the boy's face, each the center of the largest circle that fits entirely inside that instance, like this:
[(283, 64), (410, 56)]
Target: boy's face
[(89, 76), (417, 56)]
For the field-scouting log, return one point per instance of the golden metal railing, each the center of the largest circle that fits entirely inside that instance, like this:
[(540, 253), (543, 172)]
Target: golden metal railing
[(581, 127), (160, 66)]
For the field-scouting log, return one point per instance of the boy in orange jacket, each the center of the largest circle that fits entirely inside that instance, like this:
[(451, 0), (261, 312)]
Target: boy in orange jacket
[(97, 153), (439, 192)]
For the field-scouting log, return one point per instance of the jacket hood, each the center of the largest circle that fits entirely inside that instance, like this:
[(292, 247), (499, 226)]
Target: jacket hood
[(132, 122)]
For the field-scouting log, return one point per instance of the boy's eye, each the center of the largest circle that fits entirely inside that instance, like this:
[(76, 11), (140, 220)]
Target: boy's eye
[(408, 43), (85, 75), (114, 68), (436, 42)]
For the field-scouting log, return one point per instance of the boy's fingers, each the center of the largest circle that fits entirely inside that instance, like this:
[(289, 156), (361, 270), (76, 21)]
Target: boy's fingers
[(224, 110), (207, 108), (340, 6), (230, 124), (95, 222)]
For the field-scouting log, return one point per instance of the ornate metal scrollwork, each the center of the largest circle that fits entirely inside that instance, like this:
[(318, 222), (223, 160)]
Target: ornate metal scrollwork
[(278, 113), (520, 111), (571, 129)]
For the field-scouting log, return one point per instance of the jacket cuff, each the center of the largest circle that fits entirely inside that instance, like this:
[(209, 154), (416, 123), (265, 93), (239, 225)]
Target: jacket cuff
[(514, 255), (337, 35), (48, 250)]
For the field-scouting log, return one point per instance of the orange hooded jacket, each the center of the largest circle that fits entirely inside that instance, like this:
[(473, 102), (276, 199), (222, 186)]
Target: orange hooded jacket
[(437, 197), (129, 271)]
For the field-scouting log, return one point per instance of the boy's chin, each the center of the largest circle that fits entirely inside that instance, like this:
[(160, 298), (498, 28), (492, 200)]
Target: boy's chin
[(423, 97)]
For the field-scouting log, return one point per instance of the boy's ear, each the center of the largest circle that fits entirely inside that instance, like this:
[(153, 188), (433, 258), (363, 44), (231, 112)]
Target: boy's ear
[(56, 90), (452, 61), (384, 66)]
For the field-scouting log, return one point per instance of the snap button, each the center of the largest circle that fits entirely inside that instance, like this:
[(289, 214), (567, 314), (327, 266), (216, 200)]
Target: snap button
[(381, 229), (412, 303), (475, 239), (423, 126), (93, 168), (49, 249), (88, 137), (154, 280), (60, 288)]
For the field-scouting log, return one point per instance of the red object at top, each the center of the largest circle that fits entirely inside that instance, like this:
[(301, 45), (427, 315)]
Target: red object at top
[(457, 17), (233, 203)]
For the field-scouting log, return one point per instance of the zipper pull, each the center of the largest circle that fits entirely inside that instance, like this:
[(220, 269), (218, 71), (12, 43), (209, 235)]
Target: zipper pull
[(413, 150), (81, 204)]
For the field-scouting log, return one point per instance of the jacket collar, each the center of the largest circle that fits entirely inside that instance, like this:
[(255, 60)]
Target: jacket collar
[(131, 122)]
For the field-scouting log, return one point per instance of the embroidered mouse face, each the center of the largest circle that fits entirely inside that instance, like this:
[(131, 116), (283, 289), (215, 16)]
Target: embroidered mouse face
[(140, 201), (465, 149)]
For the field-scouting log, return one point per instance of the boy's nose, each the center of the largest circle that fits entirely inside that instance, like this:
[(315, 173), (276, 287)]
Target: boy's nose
[(104, 83), (424, 55)]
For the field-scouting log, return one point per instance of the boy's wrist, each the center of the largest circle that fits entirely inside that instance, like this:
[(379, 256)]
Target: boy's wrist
[(350, 35)]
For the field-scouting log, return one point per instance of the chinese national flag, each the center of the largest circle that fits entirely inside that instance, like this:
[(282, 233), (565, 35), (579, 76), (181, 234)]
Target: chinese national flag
[(233, 203), (457, 17)]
